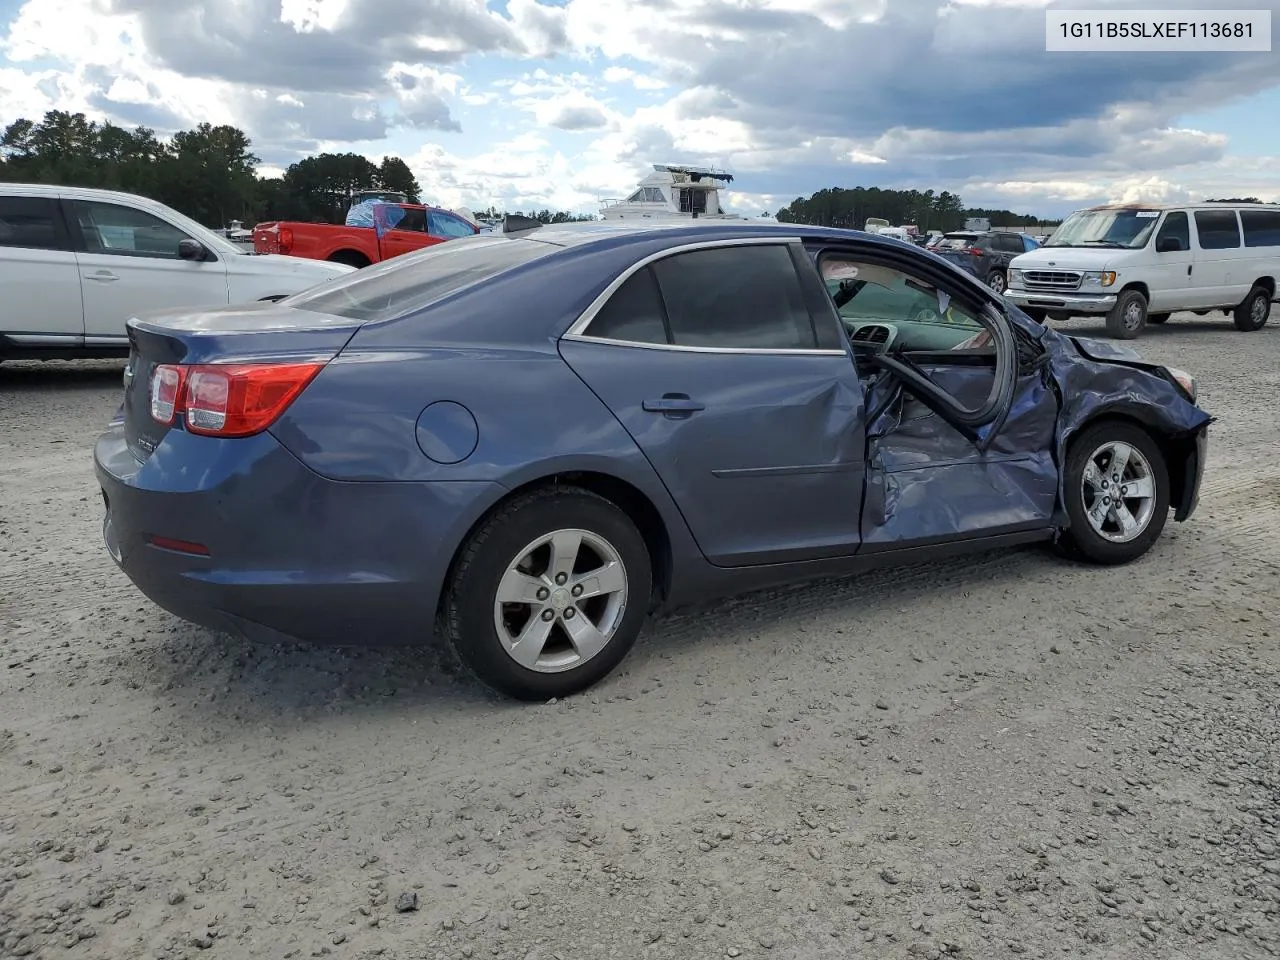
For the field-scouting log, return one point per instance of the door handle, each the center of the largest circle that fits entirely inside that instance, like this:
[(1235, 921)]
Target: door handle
[(102, 276), (674, 405), (1188, 270)]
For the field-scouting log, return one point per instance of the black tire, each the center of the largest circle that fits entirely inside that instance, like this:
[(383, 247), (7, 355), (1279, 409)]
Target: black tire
[(997, 281), (1252, 314), (1081, 541), (483, 561), (1128, 317), (1157, 317), (1036, 314), (351, 258)]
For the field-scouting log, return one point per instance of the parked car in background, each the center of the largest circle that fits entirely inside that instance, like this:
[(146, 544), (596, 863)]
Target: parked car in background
[(985, 255), (76, 263), (413, 226), (671, 413), (1136, 264)]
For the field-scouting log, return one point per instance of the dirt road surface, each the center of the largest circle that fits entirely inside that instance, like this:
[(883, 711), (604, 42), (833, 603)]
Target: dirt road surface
[(998, 756)]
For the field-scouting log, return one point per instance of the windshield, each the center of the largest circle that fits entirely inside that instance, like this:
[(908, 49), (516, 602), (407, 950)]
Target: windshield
[(402, 284), (1127, 229)]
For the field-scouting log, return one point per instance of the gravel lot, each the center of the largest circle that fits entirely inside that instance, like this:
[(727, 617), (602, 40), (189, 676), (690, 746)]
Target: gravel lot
[(998, 756)]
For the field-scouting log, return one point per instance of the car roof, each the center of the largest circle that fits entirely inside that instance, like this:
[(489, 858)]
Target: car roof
[(1203, 205), (615, 233), (78, 193)]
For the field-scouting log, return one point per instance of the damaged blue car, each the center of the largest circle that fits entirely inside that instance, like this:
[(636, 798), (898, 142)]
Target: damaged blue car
[(532, 439)]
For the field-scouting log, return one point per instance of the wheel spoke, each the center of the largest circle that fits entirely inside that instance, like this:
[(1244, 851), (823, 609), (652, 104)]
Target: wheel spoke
[(587, 640), (517, 587), (1119, 460), (528, 647), (564, 553), (1093, 476), (610, 578), (1098, 514), (1128, 523), (1140, 488)]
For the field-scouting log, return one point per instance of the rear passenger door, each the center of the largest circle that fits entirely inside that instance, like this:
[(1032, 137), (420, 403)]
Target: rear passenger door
[(731, 374), (1217, 278), (408, 234), (39, 280)]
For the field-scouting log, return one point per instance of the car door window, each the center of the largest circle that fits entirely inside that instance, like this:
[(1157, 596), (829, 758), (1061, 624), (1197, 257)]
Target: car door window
[(1175, 227), (1218, 229), (1010, 243), (917, 314), (31, 223), (634, 313), (413, 221), (1261, 228), (737, 297), (447, 225), (111, 228)]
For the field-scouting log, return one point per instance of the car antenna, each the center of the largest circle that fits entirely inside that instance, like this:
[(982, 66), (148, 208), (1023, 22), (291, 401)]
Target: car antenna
[(516, 223)]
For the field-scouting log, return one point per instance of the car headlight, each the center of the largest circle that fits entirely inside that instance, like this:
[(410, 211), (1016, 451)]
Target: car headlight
[(1098, 278), (1015, 277), (1184, 380)]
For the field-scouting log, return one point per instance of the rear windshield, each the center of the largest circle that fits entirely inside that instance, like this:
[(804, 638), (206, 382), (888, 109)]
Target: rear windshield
[(403, 284), (957, 241)]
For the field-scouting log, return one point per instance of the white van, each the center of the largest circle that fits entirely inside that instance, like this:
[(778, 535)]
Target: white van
[(77, 263), (1138, 264)]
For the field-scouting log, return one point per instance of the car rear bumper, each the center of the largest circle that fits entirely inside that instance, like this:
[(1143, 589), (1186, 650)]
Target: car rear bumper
[(289, 553), (1066, 302)]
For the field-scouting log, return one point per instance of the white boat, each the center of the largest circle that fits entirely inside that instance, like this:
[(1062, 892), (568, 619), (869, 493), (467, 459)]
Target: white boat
[(673, 193)]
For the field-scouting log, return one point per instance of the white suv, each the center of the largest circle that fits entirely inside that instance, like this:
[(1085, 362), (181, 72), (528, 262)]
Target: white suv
[(76, 264), (1138, 264)]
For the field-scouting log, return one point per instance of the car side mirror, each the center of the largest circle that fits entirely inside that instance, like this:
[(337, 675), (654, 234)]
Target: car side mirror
[(189, 249), (1168, 245)]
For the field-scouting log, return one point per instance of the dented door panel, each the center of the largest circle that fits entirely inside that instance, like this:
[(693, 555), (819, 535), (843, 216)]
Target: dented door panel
[(928, 481)]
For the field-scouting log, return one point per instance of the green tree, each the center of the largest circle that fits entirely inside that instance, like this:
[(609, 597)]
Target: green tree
[(394, 175)]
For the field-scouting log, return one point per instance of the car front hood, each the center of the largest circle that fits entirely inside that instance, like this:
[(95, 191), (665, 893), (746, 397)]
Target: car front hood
[(1068, 258), (1106, 352)]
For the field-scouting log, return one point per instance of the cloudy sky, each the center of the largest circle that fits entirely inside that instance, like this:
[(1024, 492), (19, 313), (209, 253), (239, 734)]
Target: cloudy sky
[(557, 103)]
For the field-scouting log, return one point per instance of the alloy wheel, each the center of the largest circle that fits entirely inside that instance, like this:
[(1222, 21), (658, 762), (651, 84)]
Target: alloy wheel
[(1119, 492), (560, 601)]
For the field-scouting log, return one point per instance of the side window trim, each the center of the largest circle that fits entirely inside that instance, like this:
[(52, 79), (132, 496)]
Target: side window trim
[(578, 329)]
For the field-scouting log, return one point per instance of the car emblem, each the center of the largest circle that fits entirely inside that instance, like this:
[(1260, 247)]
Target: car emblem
[(1053, 263)]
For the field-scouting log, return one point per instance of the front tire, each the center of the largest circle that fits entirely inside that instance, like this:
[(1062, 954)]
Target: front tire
[(1107, 528), (549, 594), (1253, 313), (1128, 317)]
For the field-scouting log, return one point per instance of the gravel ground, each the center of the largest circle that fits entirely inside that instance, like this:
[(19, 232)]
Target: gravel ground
[(998, 756)]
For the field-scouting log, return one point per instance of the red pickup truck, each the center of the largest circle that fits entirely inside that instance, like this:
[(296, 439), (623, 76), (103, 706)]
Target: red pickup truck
[(419, 227)]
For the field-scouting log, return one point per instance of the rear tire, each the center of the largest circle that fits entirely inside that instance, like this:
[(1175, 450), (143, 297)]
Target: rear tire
[(997, 281), (1098, 531), (1253, 312), (1157, 317), (581, 581), (351, 258), (1128, 317)]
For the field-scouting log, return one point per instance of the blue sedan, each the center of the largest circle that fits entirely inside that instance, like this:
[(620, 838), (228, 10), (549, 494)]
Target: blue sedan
[(533, 438)]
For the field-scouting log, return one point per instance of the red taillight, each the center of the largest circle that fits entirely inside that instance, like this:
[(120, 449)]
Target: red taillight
[(286, 239), (229, 399), (974, 252)]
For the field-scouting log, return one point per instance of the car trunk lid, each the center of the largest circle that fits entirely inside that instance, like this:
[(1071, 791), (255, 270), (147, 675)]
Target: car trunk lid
[(259, 333)]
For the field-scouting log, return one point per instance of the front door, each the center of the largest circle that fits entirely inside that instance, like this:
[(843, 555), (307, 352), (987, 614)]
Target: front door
[(1171, 265), (129, 263), (960, 439), (747, 406)]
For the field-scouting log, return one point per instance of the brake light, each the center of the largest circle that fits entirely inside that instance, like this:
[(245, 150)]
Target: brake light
[(228, 399), (974, 252), (286, 239)]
